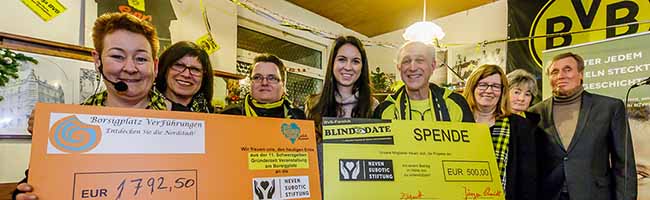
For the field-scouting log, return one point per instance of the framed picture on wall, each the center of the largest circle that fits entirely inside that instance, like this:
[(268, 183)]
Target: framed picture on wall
[(52, 80)]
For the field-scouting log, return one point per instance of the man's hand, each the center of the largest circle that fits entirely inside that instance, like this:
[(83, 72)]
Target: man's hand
[(30, 123)]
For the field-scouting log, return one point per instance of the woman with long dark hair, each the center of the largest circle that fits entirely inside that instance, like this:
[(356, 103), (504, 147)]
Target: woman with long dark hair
[(346, 92)]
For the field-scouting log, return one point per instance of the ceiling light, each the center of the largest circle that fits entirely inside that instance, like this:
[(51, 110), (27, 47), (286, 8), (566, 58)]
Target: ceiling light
[(424, 31)]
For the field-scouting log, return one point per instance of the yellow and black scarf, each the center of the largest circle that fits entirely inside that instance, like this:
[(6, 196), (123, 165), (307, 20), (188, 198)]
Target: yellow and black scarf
[(200, 104), (436, 101), (252, 108)]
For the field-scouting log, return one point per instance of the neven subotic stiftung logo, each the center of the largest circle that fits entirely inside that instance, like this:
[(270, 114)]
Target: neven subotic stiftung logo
[(264, 189), (349, 169), (71, 135), (366, 170)]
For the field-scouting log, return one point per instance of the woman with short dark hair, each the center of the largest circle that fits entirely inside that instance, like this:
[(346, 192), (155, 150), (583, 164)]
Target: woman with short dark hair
[(185, 77)]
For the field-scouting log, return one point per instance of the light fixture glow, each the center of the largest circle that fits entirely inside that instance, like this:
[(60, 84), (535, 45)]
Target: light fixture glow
[(424, 31)]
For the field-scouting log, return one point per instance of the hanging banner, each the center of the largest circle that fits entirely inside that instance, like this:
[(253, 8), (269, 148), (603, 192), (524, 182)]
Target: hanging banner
[(611, 66), (384, 159), (159, 13), (89, 152), (553, 17)]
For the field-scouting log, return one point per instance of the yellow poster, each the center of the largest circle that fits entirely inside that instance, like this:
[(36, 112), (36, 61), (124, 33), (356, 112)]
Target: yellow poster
[(208, 44), (137, 4), (46, 9), (383, 159)]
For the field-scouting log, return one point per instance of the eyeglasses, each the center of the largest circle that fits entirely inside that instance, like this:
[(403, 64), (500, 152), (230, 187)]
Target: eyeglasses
[(494, 87), (180, 68), (258, 78)]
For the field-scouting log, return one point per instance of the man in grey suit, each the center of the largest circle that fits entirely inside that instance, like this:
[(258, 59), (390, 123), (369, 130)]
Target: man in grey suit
[(583, 151)]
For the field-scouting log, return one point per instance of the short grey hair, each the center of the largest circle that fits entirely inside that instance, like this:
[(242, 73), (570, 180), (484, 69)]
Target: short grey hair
[(579, 60), (520, 78), (430, 48)]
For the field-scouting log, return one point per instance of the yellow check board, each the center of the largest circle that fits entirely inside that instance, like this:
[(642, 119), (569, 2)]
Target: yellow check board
[(383, 159)]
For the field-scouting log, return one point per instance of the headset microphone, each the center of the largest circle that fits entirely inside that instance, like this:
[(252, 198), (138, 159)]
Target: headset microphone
[(120, 86)]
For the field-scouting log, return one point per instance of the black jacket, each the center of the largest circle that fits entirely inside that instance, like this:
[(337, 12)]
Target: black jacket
[(521, 171), (238, 109), (594, 165)]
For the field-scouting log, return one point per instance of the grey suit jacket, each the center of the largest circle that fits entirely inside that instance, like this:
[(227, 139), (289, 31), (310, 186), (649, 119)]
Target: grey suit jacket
[(601, 134)]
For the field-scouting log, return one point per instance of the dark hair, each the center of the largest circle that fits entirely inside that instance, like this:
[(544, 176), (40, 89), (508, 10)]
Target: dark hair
[(576, 57), (272, 59), (324, 104), (177, 51), (111, 22)]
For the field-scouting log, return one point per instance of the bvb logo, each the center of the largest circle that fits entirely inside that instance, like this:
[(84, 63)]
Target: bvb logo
[(558, 17), (291, 132), (70, 135)]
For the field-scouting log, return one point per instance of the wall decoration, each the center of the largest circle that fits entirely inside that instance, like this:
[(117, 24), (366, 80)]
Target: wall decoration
[(9, 63), (464, 59), (50, 80)]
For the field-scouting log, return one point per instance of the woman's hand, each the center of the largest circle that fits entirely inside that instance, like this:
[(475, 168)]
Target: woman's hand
[(24, 187)]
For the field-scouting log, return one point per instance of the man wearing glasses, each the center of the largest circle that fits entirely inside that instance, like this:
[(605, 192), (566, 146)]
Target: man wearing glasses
[(267, 97)]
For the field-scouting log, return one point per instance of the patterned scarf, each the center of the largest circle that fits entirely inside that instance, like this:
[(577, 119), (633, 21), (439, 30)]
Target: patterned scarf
[(156, 102), (500, 132)]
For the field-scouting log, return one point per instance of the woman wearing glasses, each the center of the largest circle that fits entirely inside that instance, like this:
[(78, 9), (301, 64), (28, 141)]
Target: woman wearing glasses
[(267, 97), (185, 77), (512, 136)]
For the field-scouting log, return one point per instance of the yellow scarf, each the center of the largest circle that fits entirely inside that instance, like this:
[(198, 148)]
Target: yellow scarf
[(250, 109), (403, 105)]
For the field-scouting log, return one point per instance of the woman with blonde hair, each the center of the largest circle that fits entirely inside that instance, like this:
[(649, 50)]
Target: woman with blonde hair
[(512, 136)]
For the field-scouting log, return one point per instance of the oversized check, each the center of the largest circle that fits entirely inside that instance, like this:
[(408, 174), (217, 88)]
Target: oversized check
[(383, 159), (85, 152)]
